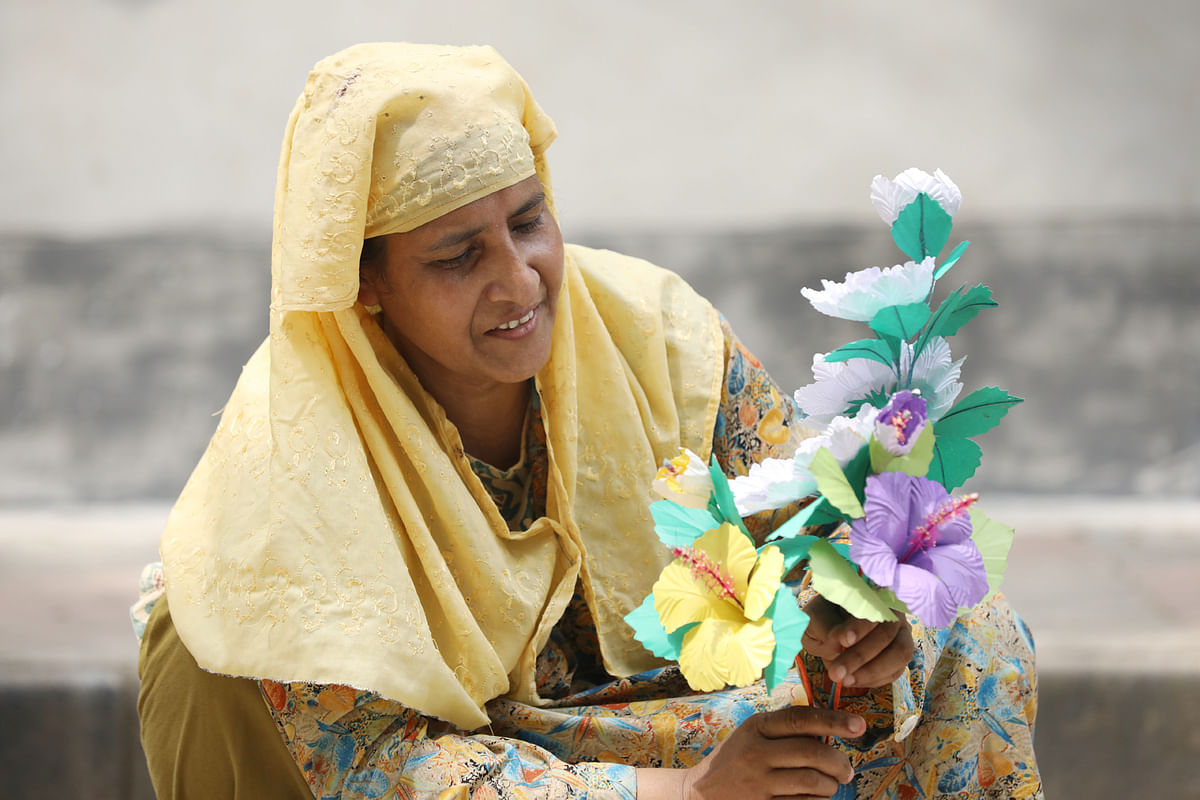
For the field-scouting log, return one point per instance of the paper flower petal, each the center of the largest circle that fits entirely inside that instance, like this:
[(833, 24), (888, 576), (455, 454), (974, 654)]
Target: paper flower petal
[(702, 658), (680, 597), (960, 566), (748, 650), (925, 595), (764, 582)]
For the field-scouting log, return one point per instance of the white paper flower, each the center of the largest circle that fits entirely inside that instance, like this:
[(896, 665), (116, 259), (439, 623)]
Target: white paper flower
[(891, 196), (840, 383), (775, 482), (936, 376), (772, 483), (843, 437), (863, 293), (684, 479)]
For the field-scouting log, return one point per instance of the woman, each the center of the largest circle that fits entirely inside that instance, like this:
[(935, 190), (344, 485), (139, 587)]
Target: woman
[(402, 565)]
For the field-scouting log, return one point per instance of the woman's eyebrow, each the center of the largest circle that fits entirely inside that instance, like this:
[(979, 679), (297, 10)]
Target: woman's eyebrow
[(529, 205), (452, 239)]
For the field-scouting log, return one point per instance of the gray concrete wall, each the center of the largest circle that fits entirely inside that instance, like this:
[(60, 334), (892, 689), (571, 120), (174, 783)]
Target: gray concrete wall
[(115, 354)]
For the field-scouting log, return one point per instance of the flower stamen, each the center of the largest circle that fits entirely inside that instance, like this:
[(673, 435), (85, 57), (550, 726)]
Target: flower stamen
[(705, 570), (925, 535), (899, 423)]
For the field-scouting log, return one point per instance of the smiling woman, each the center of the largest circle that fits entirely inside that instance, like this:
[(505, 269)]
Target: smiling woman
[(469, 300), (402, 567)]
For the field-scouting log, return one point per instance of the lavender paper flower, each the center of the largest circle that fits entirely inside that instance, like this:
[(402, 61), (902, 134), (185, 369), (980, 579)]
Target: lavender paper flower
[(916, 540), (900, 422)]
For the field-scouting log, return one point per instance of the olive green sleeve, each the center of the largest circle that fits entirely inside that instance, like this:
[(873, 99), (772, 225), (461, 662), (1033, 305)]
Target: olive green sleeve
[(207, 735)]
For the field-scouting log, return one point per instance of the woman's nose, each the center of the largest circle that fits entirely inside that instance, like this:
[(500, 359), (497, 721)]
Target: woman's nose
[(512, 278)]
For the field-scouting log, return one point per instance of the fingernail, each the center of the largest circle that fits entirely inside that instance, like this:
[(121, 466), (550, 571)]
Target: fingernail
[(835, 673), (849, 639), (849, 681)]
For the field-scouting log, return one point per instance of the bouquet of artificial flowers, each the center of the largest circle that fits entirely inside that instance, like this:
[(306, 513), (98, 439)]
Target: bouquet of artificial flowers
[(890, 441)]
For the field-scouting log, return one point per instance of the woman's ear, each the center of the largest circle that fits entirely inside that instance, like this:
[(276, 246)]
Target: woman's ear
[(368, 293)]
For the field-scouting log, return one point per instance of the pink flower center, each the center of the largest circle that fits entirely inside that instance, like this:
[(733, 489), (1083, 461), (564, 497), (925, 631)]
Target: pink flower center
[(925, 535), (708, 572)]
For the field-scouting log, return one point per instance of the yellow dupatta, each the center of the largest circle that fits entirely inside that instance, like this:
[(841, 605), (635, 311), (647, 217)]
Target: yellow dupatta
[(333, 531)]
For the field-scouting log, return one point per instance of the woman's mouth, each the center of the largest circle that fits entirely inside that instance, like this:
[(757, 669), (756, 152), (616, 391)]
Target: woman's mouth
[(516, 323)]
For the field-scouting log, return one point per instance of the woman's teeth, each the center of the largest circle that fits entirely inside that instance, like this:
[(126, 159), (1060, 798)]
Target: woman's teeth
[(508, 326)]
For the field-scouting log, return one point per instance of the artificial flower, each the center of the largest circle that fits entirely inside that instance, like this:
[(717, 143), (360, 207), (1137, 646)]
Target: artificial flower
[(685, 480), (865, 292), (841, 384), (723, 587), (916, 540), (890, 197), (775, 482), (771, 483), (900, 422)]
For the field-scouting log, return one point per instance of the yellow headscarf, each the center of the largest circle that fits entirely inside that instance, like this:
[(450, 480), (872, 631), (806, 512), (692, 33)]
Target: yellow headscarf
[(333, 531)]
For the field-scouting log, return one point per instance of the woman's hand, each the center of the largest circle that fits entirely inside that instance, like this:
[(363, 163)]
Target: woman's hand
[(772, 754), (857, 652)]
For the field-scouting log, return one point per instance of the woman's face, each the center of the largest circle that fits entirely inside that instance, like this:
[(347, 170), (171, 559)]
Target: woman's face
[(469, 298)]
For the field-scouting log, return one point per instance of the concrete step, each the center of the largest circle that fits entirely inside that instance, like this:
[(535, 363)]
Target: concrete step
[(1109, 588)]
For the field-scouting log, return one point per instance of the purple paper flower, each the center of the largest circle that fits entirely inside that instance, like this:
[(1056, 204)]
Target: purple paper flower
[(901, 422), (916, 541)]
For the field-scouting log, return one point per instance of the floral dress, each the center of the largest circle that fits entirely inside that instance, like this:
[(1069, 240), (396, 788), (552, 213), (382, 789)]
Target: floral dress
[(958, 722)]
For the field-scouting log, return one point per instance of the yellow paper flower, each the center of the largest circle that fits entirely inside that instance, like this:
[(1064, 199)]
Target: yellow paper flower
[(726, 586), (685, 480)]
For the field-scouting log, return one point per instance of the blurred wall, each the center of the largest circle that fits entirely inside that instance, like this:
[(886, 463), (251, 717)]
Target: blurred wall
[(139, 140), (129, 115)]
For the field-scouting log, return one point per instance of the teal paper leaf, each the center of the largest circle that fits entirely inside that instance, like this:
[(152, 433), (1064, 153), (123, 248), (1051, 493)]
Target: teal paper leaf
[(794, 549), (922, 228), (837, 580), (679, 526), (954, 461), (788, 623), (977, 413), (951, 260), (723, 498), (818, 512), (874, 349), (902, 322), (833, 484), (959, 308), (648, 629), (994, 540)]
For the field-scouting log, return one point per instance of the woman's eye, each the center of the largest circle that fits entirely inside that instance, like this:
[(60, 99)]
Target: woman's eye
[(453, 261), (530, 226)]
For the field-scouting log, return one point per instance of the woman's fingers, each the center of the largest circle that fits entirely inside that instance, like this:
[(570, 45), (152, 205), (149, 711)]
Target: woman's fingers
[(808, 721), (824, 620), (877, 659)]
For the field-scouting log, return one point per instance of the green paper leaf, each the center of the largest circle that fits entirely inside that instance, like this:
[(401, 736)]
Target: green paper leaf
[(874, 349), (977, 413), (922, 228), (959, 308), (916, 463), (954, 461), (723, 498), (952, 260), (679, 526), (832, 483), (788, 623), (648, 629), (794, 549), (902, 322), (893, 602), (818, 512), (994, 540), (838, 581)]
